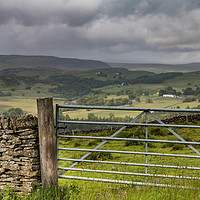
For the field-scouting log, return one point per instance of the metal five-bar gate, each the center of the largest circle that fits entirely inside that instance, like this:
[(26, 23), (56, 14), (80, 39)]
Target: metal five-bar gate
[(141, 120)]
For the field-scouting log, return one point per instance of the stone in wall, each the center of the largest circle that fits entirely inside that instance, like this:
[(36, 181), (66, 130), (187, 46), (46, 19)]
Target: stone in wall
[(19, 153)]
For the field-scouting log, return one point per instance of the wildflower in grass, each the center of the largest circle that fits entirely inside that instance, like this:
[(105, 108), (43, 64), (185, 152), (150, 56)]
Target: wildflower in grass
[(125, 194)]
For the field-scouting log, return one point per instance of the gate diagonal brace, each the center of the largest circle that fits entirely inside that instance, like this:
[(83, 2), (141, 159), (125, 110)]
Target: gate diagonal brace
[(175, 134), (101, 144)]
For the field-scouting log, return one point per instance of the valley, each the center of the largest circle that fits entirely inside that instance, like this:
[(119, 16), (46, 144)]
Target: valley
[(21, 86)]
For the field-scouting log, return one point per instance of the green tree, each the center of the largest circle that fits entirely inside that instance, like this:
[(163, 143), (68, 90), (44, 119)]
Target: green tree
[(13, 112), (146, 93), (67, 117), (149, 101), (28, 87), (132, 96), (138, 99), (91, 117)]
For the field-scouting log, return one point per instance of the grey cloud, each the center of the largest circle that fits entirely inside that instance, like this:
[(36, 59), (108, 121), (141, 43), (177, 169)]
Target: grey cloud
[(140, 8), (79, 13), (169, 7), (22, 15), (43, 12), (102, 29), (119, 8)]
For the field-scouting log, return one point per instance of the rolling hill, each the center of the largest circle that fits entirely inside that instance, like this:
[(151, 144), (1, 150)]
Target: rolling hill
[(158, 68), (19, 61), (113, 74), (190, 79)]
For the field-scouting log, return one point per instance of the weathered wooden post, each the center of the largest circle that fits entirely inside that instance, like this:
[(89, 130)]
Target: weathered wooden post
[(47, 142)]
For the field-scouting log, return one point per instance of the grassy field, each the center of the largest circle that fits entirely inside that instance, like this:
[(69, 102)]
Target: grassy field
[(158, 102), (186, 80), (80, 190), (152, 88), (28, 104), (97, 190), (110, 73), (25, 99)]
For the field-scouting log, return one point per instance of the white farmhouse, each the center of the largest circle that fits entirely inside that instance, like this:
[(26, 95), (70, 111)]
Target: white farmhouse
[(169, 95)]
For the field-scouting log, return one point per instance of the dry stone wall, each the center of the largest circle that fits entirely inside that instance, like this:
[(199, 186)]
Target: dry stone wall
[(19, 153), (182, 119)]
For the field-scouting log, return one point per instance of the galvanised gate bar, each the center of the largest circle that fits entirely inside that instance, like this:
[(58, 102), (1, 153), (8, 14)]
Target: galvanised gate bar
[(145, 113)]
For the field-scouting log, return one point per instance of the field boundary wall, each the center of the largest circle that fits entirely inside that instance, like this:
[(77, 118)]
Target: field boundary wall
[(19, 153)]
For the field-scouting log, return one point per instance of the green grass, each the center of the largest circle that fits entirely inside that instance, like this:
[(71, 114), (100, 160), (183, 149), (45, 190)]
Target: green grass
[(83, 190), (111, 72), (27, 103), (100, 113), (26, 99), (186, 80), (95, 190), (39, 193), (158, 102), (80, 190), (152, 88)]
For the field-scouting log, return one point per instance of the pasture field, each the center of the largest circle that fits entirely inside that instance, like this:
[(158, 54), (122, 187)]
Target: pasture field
[(25, 99), (158, 102), (152, 88), (100, 113), (27, 103), (186, 80), (110, 74), (98, 190)]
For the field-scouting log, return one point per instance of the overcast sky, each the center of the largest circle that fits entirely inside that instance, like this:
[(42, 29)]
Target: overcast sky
[(161, 31)]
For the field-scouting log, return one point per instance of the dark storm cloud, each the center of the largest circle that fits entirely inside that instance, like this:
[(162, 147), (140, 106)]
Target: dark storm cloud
[(102, 29), (78, 13), (30, 13)]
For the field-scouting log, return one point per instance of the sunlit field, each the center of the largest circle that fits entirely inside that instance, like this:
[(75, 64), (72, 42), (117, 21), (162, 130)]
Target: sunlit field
[(158, 102), (172, 187)]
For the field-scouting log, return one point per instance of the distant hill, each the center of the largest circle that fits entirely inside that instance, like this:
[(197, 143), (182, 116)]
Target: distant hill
[(113, 74), (158, 68), (7, 81), (18, 61), (20, 64), (191, 79)]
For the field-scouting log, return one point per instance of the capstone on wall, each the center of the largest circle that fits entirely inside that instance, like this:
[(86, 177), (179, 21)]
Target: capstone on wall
[(19, 153)]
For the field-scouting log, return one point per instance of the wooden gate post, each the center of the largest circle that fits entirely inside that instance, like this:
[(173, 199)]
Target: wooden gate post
[(47, 142)]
